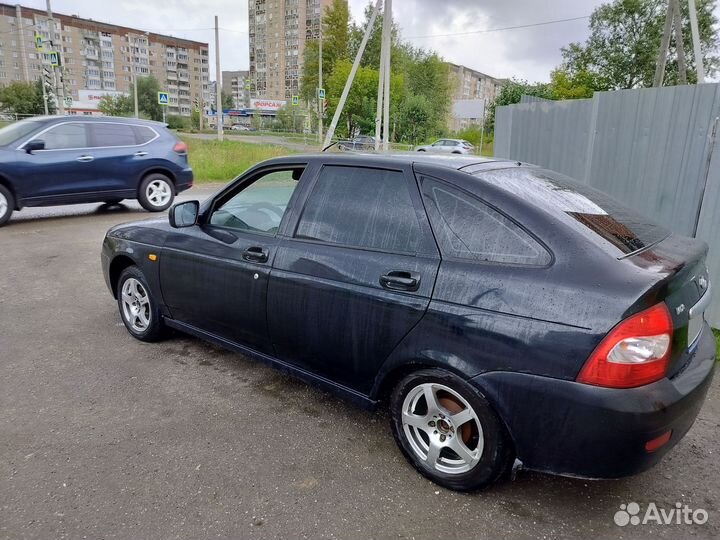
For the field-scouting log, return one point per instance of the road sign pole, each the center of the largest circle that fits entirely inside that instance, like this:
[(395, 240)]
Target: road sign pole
[(218, 84), (59, 90)]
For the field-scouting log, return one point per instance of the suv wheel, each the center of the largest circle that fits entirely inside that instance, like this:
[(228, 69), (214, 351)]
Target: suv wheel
[(138, 309), (156, 192), (448, 430), (7, 204)]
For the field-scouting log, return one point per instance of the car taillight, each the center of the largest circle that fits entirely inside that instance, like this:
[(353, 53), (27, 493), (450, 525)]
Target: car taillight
[(634, 353), (180, 147)]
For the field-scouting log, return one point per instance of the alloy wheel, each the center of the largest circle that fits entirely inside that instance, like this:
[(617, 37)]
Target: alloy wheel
[(3, 205), (158, 192), (442, 428), (136, 305)]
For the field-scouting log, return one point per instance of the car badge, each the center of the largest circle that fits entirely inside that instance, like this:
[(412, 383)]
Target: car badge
[(703, 283), (680, 309)]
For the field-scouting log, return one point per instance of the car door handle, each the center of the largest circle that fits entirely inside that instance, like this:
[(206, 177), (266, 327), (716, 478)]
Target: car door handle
[(85, 159), (140, 154), (400, 281), (255, 254)]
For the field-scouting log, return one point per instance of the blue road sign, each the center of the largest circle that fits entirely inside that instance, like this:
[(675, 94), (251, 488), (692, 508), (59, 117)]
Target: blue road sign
[(163, 98), (321, 93), (54, 59)]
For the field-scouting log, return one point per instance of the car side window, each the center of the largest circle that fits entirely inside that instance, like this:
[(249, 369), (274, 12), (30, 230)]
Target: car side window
[(470, 229), (260, 206), (107, 134), (361, 207), (66, 136), (438, 143), (143, 134)]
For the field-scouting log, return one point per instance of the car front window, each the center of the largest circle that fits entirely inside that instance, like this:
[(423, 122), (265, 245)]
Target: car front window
[(18, 130), (260, 206)]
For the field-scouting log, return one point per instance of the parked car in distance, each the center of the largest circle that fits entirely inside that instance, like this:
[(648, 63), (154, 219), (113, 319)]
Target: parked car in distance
[(501, 310), (240, 127), (59, 160), (448, 146), (360, 143)]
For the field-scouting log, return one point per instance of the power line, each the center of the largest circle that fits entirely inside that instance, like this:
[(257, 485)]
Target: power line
[(488, 30)]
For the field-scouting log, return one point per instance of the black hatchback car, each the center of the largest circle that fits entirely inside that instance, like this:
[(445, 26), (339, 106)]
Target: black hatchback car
[(502, 311), (56, 160)]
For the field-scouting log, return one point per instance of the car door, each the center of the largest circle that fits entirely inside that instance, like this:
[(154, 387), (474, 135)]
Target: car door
[(355, 274), (214, 275), (64, 170), (438, 146), (118, 157)]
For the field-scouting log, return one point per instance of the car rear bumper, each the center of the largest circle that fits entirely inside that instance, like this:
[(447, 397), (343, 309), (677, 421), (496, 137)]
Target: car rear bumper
[(184, 180), (564, 427)]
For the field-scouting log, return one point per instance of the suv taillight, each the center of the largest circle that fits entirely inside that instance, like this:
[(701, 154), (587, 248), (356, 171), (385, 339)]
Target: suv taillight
[(180, 147), (634, 353)]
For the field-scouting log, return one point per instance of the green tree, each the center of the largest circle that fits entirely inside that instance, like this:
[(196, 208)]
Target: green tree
[(414, 115), (116, 105), (336, 39), (624, 42), (24, 98), (511, 93), (226, 100), (147, 91)]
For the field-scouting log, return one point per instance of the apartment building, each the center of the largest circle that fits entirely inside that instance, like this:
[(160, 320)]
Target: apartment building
[(473, 92), (279, 30), (99, 58), (237, 84)]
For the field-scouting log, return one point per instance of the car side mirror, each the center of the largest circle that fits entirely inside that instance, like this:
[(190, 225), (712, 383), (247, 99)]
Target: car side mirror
[(35, 144), (184, 214)]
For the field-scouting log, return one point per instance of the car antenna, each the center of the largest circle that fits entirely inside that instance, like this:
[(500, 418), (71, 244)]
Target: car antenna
[(329, 146)]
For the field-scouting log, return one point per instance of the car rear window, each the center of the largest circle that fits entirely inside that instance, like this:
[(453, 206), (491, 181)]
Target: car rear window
[(592, 212)]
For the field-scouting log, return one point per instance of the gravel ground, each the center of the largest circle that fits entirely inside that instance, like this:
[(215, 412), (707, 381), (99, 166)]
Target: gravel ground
[(102, 436)]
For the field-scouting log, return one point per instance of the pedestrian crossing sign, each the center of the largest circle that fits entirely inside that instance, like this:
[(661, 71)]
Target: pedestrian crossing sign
[(296, 100), (163, 98)]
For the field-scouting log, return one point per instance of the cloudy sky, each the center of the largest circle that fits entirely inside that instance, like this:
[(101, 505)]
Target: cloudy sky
[(442, 25)]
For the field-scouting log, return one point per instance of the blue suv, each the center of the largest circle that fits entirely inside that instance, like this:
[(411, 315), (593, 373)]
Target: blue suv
[(67, 160)]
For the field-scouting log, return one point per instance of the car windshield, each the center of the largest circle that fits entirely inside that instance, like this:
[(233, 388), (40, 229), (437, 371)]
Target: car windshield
[(589, 210), (18, 130)]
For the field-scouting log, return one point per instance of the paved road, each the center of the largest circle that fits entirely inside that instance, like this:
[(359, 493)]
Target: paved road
[(102, 436)]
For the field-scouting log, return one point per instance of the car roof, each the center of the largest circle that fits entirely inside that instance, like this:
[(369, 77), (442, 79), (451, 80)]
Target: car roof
[(76, 118), (457, 162)]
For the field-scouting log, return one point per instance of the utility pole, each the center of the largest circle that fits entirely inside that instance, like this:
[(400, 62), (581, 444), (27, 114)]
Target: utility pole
[(387, 45), (320, 85), (679, 43), (351, 77), (380, 98), (696, 43), (59, 90), (218, 84), (45, 74), (664, 44)]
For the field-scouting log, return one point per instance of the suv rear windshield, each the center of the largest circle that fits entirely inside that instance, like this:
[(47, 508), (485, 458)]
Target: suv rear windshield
[(592, 212)]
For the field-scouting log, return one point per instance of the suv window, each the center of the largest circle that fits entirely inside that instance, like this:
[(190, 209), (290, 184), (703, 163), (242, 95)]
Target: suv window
[(66, 136), (361, 207), (470, 229), (143, 134), (107, 134), (260, 206)]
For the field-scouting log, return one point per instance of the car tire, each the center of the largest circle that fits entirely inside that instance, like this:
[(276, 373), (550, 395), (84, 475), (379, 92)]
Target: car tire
[(461, 418), (156, 192), (139, 311), (421, 150), (7, 205)]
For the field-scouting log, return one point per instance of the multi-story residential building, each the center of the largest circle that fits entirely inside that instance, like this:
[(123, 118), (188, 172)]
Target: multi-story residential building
[(237, 84), (100, 58), (279, 30), (473, 92)]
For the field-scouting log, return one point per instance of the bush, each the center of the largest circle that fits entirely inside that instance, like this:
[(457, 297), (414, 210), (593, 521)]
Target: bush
[(175, 121)]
